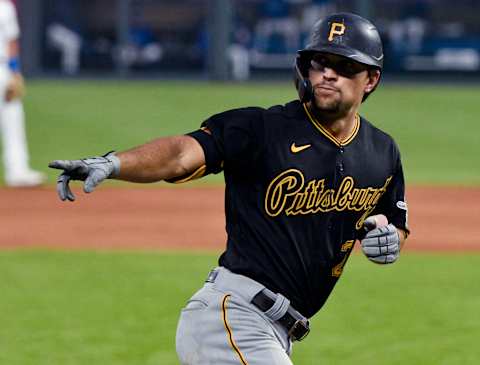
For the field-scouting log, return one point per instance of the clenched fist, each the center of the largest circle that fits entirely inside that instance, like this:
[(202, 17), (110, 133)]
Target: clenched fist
[(382, 242)]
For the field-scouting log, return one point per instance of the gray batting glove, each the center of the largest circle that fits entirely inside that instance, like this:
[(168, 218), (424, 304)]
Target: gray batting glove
[(382, 245), (91, 170)]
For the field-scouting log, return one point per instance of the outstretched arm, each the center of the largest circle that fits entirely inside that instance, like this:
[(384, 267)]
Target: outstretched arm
[(160, 159)]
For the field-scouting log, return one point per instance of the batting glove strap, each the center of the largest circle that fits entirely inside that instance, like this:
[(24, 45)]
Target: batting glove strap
[(115, 161), (382, 245)]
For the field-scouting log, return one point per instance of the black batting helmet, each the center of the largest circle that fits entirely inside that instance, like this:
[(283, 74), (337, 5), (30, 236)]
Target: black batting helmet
[(344, 34)]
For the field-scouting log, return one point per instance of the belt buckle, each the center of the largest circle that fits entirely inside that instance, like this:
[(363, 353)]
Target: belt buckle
[(299, 330)]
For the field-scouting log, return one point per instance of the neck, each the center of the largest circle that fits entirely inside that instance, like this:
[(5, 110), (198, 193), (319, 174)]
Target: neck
[(340, 125)]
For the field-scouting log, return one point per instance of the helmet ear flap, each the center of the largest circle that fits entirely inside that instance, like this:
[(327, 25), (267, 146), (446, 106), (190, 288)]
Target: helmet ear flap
[(303, 85), (305, 92)]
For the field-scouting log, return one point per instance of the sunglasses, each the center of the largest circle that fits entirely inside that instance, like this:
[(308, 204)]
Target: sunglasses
[(341, 65)]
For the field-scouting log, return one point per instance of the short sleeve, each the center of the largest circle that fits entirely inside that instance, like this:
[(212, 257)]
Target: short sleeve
[(230, 140), (233, 139)]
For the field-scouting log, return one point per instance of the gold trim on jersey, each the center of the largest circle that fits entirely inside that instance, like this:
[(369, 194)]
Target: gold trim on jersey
[(229, 330), (290, 194), (327, 133), (197, 174)]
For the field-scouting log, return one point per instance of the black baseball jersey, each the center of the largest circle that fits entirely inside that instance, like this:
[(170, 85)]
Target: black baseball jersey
[(296, 197)]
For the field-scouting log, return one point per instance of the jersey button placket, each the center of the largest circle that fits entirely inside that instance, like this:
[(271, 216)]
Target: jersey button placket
[(340, 165)]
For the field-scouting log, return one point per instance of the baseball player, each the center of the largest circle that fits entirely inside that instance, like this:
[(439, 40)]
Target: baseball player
[(304, 182), (12, 124)]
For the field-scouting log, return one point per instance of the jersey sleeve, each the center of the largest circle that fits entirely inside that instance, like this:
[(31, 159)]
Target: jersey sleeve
[(393, 203), (230, 140)]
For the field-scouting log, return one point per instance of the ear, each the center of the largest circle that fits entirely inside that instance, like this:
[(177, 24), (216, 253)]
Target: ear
[(373, 77)]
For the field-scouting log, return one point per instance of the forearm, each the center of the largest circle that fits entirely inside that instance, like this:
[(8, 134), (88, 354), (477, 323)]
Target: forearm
[(160, 159)]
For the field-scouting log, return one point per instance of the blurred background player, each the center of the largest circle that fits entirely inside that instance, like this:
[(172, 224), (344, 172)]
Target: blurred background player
[(64, 34), (12, 119)]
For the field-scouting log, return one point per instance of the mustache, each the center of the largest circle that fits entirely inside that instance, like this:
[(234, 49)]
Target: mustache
[(325, 86)]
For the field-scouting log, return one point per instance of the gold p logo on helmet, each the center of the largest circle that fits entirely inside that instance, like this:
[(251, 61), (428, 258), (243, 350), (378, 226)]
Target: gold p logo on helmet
[(336, 29)]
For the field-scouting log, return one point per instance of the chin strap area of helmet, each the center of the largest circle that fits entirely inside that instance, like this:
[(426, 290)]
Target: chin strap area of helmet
[(303, 85)]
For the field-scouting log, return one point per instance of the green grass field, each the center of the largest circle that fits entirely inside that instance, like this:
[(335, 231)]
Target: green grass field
[(121, 308), (115, 308), (436, 127)]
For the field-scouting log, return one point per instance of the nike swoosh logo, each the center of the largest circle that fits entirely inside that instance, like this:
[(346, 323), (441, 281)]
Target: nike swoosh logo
[(296, 149)]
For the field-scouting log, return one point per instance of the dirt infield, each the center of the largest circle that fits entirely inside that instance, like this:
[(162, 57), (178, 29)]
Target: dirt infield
[(440, 218)]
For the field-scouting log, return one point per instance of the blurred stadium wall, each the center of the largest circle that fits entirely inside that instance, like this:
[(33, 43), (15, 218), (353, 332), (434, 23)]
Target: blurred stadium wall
[(234, 39)]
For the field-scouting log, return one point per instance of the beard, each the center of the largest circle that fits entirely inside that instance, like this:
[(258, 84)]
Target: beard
[(330, 104), (327, 106)]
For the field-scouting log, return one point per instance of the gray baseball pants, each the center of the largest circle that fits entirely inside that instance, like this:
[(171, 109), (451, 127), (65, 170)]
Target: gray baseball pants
[(220, 326)]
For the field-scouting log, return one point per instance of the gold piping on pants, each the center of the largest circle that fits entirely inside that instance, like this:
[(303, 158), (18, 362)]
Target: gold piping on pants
[(229, 330)]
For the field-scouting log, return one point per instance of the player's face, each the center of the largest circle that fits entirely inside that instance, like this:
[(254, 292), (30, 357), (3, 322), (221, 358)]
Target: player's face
[(339, 83)]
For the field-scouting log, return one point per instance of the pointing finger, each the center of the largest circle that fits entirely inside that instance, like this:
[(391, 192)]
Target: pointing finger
[(67, 165)]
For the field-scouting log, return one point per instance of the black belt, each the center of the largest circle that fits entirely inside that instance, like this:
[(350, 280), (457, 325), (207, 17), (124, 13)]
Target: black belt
[(298, 328)]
